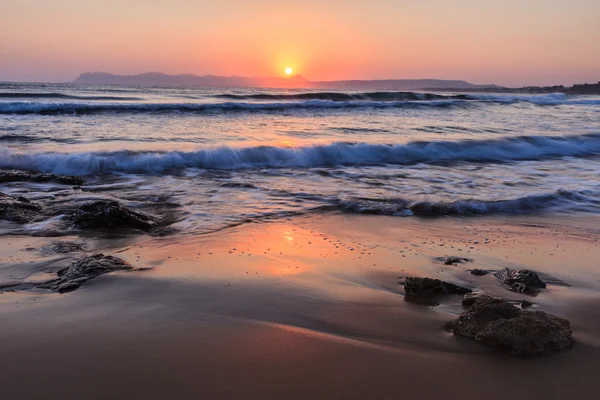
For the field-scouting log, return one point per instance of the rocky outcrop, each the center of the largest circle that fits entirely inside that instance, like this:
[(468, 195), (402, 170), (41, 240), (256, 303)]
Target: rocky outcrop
[(18, 209), (421, 287), (109, 214), (18, 175), (71, 277), (496, 323), (522, 281)]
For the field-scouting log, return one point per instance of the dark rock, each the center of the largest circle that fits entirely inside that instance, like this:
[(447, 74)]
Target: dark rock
[(470, 298), (62, 247), (109, 214), (18, 209), (428, 287), (453, 260), (522, 281), (479, 272), (526, 304), (69, 278), (497, 323), (17, 175), (67, 287)]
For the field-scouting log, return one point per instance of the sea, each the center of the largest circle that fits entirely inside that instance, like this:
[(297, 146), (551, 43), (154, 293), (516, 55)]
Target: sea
[(206, 159)]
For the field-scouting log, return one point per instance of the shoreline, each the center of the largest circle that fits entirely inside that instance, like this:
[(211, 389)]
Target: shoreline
[(276, 310)]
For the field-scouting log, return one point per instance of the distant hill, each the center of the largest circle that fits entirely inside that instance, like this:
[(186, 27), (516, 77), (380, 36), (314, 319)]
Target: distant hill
[(399, 84), (160, 79), (585, 88)]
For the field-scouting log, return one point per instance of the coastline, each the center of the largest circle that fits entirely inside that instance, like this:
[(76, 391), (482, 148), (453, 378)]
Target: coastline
[(305, 307)]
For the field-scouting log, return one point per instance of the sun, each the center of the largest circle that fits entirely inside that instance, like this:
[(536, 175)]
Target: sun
[(288, 71)]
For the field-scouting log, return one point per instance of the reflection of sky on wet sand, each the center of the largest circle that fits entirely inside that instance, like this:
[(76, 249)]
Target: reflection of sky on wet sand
[(355, 255)]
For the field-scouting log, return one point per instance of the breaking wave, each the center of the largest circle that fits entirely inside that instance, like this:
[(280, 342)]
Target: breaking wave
[(539, 99), (561, 200), (342, 96), (227, 158), (22, 107), (29, 95), (283, 102)]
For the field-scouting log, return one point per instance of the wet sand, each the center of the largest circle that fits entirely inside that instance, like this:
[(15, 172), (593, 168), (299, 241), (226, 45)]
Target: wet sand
[(301, 308)]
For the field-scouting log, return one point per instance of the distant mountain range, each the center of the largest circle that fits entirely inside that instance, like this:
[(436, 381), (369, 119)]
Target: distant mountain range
[(160, 79), (586, 88)]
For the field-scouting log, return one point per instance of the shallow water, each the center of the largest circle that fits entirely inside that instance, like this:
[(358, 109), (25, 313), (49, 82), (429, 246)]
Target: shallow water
[(219, 157)]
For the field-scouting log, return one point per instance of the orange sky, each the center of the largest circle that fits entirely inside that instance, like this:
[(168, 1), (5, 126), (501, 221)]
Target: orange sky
[(506, 42)]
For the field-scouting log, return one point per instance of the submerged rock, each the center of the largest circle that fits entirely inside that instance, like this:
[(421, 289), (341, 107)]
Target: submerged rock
[(479, 272), (470, 298), (109, 214), (526, 304), (453, 260), (18, 209), (522, 281), (61, 247), (18, 175), (428, 287), (497, 323), (69, 278)]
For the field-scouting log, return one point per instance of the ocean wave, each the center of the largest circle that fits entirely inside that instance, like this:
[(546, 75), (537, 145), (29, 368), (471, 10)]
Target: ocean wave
[(29, 95), (539, 99), (551, 99), (341, 96), (22, 107), (19, 138), (334, 101), (227, 158), (561, 200)]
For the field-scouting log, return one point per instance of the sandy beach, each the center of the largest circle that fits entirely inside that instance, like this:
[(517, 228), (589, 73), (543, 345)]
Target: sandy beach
[(256, 242), (311, 200), (306, 307)]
